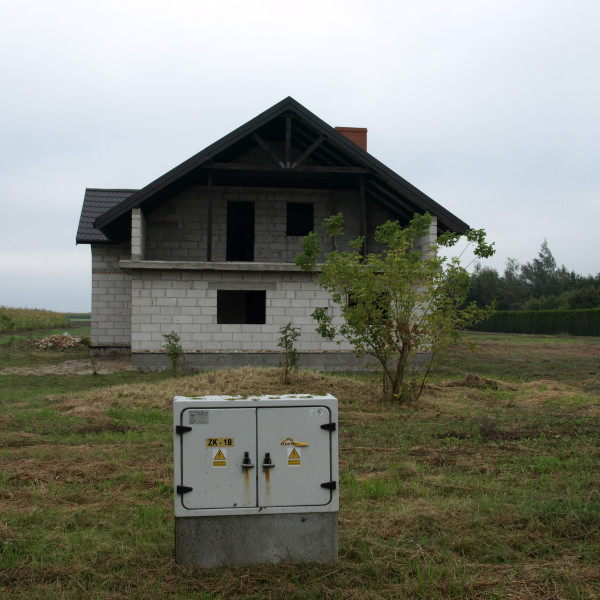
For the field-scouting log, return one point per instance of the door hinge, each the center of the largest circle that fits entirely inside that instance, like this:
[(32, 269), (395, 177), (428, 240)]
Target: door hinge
[(329, 426), (183, 489), (330, 485), (182, 429)]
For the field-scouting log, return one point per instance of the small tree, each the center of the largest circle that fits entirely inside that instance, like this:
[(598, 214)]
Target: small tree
[(289, 362), (399, 305), (172, 346)]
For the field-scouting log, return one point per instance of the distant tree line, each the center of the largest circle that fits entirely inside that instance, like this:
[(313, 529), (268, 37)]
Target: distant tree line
[(536, 285)]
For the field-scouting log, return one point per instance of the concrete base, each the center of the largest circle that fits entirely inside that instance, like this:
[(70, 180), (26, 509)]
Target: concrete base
[(240, 540), (204, 361), (110, 350)]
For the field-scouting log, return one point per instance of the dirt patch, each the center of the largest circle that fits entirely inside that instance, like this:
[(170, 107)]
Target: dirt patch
[(82, 366)]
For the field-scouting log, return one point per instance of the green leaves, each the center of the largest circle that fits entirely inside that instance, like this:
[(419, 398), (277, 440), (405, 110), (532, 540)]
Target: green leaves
[(311, 248), (287, 341), (173, 349), (402, 306)]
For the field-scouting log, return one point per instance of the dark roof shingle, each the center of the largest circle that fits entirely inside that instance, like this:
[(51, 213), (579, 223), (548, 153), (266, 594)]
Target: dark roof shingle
[(95, 203)]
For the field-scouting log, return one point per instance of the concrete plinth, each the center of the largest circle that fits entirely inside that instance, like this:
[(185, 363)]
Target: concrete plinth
[(205, 361), (241, 540)]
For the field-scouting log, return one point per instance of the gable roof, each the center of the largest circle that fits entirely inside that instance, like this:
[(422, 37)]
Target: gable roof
[(336, 162)]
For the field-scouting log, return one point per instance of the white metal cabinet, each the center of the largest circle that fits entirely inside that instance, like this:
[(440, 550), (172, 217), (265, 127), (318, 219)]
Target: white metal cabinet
[(289, 445)]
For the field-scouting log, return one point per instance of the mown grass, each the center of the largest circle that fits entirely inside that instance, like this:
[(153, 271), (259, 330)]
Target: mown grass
[(488, 487)]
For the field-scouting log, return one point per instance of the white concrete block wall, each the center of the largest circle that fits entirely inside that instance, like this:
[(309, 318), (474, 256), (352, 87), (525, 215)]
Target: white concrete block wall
[(271, 244), (427, 241), (186, 302), (178, 229), (138, 234), (111, 296)]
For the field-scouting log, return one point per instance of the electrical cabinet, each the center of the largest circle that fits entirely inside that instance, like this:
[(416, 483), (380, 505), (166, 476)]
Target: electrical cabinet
[(257, 455)]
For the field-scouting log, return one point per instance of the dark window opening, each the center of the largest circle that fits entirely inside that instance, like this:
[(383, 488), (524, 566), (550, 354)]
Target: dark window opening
[(240, 231), (241, 306), (299, 218)]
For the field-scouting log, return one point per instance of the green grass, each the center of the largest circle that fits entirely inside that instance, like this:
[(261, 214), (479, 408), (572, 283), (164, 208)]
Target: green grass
[(474, 492), (520, 357), (17, 349)]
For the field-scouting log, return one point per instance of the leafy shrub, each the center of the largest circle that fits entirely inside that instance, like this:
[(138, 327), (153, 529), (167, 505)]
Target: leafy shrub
[(172, 346), (289, 362)]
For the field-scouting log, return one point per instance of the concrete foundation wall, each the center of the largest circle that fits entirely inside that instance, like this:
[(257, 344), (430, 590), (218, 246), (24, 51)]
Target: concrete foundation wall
[(203, 361), (111, 299), (237, 541)]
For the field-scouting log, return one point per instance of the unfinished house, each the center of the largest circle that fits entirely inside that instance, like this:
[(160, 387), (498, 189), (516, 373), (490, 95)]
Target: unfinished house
[(207, 249)]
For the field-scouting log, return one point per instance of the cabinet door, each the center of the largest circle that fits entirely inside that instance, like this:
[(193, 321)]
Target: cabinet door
[(300, 452), (212, 456)]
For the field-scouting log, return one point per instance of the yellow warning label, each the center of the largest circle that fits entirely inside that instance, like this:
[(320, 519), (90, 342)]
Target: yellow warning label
[(219, 458), (294, 458)]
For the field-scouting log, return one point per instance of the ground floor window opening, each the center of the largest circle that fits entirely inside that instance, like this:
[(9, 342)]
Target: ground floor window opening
[(241, 307)]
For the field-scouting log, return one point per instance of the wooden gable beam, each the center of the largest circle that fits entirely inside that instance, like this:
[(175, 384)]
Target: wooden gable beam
[(393, 206), (288, 141), (308, 151), (325, 154), (251, 167), (209, 218), (268, 150)]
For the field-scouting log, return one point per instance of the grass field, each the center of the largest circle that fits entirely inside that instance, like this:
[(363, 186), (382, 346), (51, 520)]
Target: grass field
[(487, 488), (13, 320)]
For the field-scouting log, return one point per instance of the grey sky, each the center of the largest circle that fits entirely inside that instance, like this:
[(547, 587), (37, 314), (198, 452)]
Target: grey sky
[(489, 107)]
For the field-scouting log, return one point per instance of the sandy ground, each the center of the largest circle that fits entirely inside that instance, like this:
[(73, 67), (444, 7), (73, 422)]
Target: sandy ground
[(81, 366)]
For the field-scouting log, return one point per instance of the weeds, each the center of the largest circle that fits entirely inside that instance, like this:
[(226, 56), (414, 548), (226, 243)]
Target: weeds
[(289, 362), (172, 346)]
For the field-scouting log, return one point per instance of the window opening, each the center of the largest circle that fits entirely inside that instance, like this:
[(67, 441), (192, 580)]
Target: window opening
[(299, 218), (241, 307), (240, 231)]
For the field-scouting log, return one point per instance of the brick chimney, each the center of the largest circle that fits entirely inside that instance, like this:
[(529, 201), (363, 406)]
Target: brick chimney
[(356, 134)]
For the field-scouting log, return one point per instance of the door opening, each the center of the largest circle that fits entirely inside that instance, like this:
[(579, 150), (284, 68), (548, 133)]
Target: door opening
[(240, 231)]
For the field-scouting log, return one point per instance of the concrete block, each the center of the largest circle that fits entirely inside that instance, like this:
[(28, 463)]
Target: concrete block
[(238, 541), (161, 319), (183, 319)]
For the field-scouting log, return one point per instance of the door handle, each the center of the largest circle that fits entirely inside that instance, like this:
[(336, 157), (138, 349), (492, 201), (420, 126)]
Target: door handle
[(247, 463), (267, 462)]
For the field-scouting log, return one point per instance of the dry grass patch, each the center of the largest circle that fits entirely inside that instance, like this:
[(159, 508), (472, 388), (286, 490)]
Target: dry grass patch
[(247, 381)]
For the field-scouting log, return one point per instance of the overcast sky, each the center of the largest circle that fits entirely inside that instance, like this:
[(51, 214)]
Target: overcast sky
[(489, 107)]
